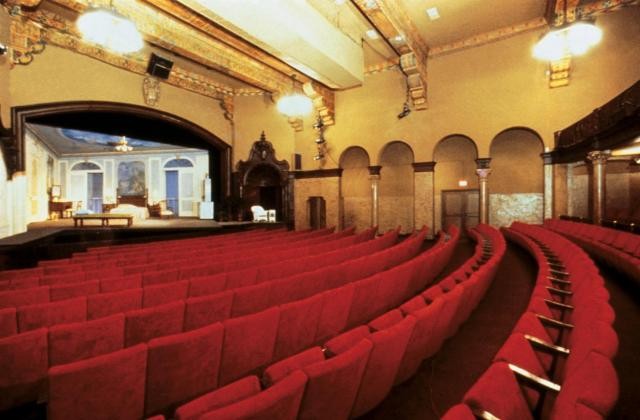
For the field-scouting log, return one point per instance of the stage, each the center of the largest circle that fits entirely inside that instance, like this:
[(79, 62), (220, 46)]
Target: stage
[(52, 239)]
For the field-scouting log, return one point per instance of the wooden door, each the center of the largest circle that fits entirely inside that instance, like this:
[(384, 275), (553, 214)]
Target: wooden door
[(460, 208)]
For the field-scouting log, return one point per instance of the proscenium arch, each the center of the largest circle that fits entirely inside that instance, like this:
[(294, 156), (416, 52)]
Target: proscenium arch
[(119, 119)]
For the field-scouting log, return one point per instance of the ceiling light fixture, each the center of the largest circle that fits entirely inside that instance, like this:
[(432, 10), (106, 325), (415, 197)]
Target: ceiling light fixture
[(372, 34), (574, 38), (433, 13), (109, 29), (122, 145), (294, 104)]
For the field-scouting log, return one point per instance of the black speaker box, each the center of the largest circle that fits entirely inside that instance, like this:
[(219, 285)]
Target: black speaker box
[(159, 67)]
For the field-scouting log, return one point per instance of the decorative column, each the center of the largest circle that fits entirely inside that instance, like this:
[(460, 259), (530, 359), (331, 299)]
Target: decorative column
[(598, 159), (374, 176), (423, 213), (483, 172), (548, 185)]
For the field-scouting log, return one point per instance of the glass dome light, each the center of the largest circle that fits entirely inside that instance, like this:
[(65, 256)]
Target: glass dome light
[(294, 105), (110, 29), (573, 39)]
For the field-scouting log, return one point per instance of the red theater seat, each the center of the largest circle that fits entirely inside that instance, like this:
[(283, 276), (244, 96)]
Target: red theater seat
[(164, 293), (48, 314), (336, 305), (20, 297), (83, 340), (144, 324), (333, 383), (203, 286), (282, 369), (181, 367), (280, 401), (133, 281), (236, 391), (8, 323), (104, 387), (205, 310), (388, 350), (298, 326), (105, 304), (68, 291), (498, 392), (249, 342), (24, 368)]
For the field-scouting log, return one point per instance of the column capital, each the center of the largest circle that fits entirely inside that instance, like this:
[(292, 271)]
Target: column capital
[(547, 158), (483, 173), (598, 156), (483, 163), (374, 170)]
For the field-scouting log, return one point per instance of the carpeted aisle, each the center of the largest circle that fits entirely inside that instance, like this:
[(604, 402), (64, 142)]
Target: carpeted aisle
[(442, 381)]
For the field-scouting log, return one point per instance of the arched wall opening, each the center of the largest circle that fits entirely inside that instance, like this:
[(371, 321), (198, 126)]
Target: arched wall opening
[(396, 189), (455, 182), (355, 188), (121, 119), (516, 182)]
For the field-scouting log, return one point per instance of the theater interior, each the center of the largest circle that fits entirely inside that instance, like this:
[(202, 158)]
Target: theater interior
[(303, 209)]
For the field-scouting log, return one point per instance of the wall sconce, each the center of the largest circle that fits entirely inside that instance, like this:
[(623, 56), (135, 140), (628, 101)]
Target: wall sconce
[(462, 183)]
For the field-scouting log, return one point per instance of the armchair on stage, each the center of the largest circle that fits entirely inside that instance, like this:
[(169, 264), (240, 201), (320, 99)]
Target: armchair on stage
[(262, 215)]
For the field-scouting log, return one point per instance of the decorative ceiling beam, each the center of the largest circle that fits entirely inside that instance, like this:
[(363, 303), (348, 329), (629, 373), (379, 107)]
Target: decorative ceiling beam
[(488, 37), (392, 21), (42, 27), (22, 3), (191, 39)]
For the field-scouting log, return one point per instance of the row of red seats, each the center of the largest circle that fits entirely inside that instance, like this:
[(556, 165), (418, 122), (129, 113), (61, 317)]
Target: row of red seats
[(621, 250), (246, 270), (353, 372), (236, 291), (56, 274), (196, 248), (557, 362), (249, 342)]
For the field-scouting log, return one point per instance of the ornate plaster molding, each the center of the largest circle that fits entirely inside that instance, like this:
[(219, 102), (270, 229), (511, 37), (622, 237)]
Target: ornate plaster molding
[(323, 101)]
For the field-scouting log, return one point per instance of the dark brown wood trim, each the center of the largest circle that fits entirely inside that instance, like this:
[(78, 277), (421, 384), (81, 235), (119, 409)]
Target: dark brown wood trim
[(423, 166), (318, 173), (615, 124), (483, 163), (374, 170)]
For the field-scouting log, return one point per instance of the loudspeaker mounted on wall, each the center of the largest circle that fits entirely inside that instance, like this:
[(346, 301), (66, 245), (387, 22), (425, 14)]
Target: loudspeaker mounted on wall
[(159, 67)]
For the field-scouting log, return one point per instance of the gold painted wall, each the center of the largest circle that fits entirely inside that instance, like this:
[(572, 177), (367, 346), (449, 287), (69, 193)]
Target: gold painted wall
[(481, 91), (396, 194), (356, 189), (328, 188), (516, 181), (254, 114), (423, 200), (560, 190), (5, 100), (578, 185), (618, 189), (61, 75)]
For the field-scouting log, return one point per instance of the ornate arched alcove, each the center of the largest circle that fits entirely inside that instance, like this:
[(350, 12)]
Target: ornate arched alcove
[(264, 180)]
